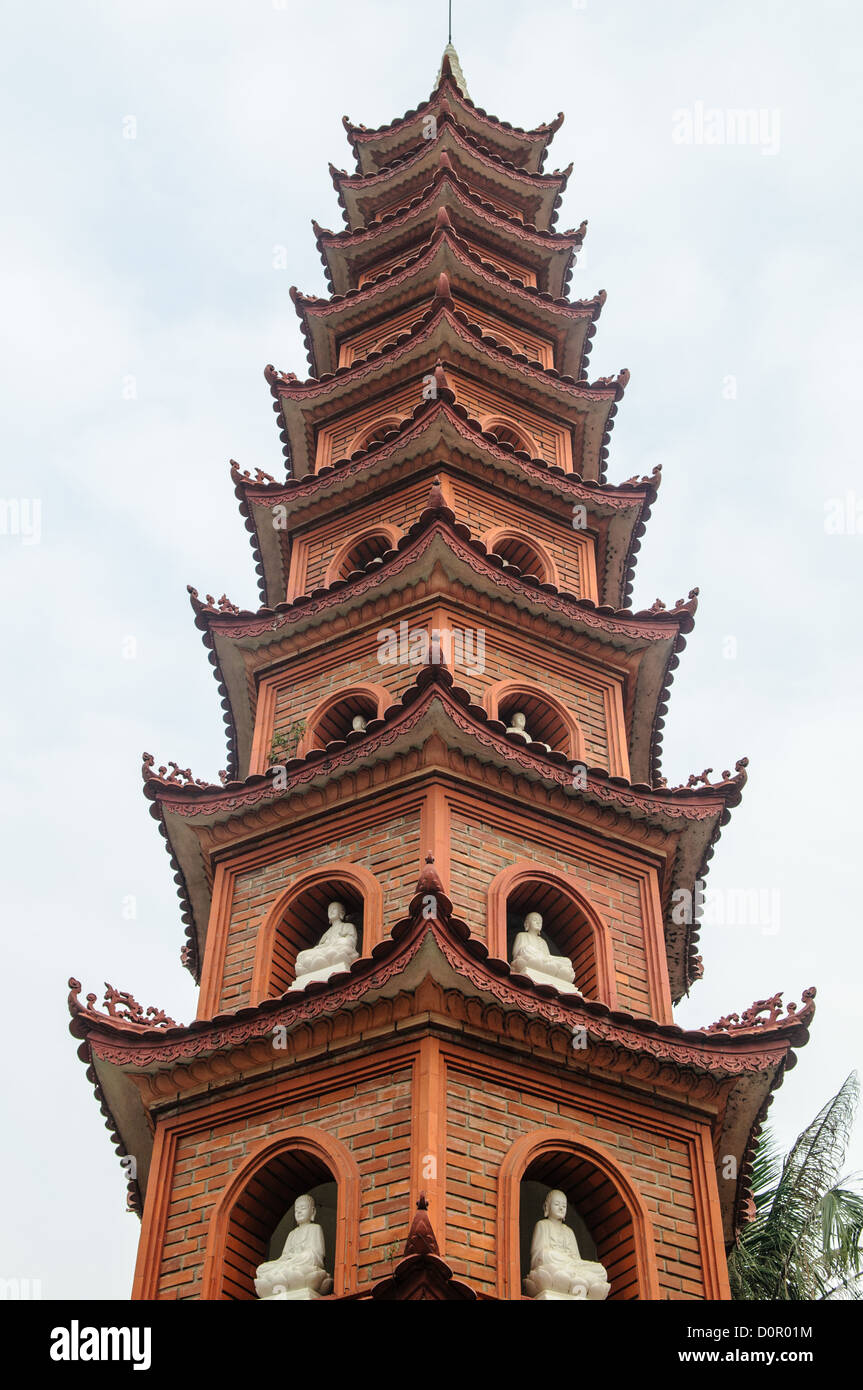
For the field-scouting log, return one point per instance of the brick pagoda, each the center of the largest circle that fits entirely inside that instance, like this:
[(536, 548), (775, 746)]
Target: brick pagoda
[(444, 715)]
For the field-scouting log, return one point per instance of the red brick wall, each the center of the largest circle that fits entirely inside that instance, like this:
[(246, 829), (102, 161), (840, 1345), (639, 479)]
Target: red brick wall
[(478, 508), (484, 1118), (506, 657), (511, 658), (483, 845), (483, 510), (479, 1105), (387, 845), (400, 509), (349, 663), (372, 1117), (552, 439)]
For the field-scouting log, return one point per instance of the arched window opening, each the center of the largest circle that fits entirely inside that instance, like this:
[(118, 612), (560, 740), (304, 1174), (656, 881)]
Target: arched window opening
[(508, 433), (360, 549), (254, 1215), (565, 927), (540, 720), (604, 1249), (529, 555), (372, 546), (374, 434), (305, 920), (300, 916), (515, 550), (352, 711), (263, 1217)]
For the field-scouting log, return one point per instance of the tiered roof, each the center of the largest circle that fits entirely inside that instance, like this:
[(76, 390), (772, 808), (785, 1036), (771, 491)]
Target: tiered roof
[(567, 323), (526, 149), (434, 966), (449, 217)]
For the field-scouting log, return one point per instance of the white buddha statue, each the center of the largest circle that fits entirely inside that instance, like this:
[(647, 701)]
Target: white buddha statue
[(336, 950), (518, 726), (299, 1271), (556, 1267), (531, 956), (358, 723)]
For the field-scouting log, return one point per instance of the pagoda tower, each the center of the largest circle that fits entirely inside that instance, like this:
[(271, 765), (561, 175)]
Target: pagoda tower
[(444, 725)]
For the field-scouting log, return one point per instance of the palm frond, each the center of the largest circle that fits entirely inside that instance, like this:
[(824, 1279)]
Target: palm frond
[(805, 1239)]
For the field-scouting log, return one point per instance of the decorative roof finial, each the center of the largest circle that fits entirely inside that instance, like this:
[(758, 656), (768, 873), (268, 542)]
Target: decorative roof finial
[(450, 65)]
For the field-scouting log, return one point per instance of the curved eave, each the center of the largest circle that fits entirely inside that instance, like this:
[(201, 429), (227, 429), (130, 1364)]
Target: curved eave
[(569, 324), (692, 816), (375, 147), (654, 639), (536, 196), (747, 1063), (446, 334), (549, 254), (438, 430)]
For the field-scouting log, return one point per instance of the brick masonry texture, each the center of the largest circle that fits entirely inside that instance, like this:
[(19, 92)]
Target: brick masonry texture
[(482, 847), (485, 1118), (389, 848), (353, 661), (482, 512), (372, 1117)]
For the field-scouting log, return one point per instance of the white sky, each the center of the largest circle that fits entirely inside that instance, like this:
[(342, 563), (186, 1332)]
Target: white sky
[(153, 258)]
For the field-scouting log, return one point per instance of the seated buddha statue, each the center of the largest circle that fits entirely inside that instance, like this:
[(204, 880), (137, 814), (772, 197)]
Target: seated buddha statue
[(531, 956), (518, 726), (556, 1267), (336, 950), (299, 1271)]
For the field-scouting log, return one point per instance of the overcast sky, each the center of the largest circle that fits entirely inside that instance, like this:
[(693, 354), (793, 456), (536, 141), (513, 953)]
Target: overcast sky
[(141, 305)]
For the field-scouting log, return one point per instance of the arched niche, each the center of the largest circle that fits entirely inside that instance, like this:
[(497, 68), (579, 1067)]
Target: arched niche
[(252, 1218), (571, 925), (547, 719), (508, 432), (532, 1193), (333, 718), (298, 920), (604, 1209), (372, 435), (360, 549), (527, 553)]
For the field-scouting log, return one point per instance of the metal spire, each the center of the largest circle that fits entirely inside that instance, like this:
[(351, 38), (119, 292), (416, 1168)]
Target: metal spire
[(455, 65)]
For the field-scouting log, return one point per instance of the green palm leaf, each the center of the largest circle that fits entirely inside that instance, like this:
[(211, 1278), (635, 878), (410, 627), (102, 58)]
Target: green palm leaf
[(805, 1240)]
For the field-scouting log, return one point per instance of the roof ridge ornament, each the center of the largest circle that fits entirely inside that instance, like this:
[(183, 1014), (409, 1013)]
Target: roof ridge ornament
[(421, 1237), (751, 1019)]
